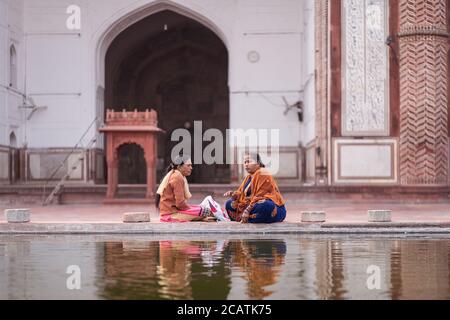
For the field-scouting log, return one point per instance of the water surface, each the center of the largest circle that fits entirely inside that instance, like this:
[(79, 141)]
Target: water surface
[(225, 267)]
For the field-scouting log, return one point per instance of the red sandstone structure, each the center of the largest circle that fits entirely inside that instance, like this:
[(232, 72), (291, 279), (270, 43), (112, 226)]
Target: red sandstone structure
[(417, 120), (382, 124), (123, 128)]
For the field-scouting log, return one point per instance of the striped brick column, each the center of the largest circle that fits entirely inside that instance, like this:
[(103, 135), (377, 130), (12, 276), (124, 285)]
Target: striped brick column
[(423, 92)]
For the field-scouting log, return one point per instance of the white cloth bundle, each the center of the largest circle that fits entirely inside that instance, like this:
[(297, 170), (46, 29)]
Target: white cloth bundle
[(215, 208)]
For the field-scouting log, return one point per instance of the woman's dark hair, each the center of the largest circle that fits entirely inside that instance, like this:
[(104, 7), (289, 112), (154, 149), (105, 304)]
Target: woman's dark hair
[(179, 160), (255, 156)]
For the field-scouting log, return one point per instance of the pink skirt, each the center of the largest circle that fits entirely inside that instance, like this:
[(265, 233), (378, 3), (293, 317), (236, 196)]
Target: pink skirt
[(194, 213)]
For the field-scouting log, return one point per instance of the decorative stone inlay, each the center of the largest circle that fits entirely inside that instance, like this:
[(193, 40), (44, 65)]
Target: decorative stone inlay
[(253, 56), (365, 67)]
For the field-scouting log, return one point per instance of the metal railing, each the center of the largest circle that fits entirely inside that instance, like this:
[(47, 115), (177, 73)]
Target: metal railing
[(56, 189)]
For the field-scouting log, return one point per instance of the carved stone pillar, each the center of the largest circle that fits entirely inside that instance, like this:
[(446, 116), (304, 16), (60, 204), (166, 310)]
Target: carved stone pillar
[(151, 166), (112, 163), (113, 173), (423, 92)]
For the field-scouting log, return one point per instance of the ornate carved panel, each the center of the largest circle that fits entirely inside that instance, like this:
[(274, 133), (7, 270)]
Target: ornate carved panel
[(365, 68)]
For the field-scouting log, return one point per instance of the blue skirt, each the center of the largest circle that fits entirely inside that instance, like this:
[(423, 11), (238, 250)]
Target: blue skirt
[(262, 212)]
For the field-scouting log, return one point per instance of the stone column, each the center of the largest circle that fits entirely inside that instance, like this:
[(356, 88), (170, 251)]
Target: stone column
[(113, 170), (112, 162), (321, 60), (423, 92), (150, 158)]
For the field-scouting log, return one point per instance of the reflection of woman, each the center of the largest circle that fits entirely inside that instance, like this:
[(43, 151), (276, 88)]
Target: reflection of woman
[(174, 268), (261, 263), (173, 194), (258, 199), (192, 270)]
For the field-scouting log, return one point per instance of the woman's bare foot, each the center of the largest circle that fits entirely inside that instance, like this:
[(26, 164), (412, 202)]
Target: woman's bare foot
[(209, 219)]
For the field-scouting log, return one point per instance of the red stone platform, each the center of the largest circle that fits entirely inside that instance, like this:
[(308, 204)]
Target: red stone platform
[(95, 194)]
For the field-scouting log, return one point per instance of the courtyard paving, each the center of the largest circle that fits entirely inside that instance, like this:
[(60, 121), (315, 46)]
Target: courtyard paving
[(343, 216)]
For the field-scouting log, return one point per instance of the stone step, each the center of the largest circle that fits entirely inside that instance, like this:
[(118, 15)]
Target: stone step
[(136, 217), (17, 215), (313, 216), (379, 215)]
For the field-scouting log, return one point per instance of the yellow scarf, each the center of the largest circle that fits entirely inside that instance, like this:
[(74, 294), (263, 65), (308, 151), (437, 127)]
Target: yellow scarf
[(165, 182)]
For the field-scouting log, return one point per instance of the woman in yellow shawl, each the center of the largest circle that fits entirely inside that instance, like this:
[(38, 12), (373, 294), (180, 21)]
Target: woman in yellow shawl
[(173, 194), (258, 199)]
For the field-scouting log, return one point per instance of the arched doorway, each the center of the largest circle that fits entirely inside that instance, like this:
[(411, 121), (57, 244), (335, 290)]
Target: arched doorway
[(132, 164), (179, 67)]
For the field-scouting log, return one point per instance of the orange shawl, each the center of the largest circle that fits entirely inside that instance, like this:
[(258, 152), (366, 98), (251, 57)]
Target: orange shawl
[(263, 187)]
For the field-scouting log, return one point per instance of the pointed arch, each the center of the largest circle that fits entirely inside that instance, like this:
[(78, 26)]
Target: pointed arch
[(132, 156), (12, 140), (119, 22)]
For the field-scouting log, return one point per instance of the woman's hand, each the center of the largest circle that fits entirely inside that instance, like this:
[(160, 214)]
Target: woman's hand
[(228, 194), (245, 217)]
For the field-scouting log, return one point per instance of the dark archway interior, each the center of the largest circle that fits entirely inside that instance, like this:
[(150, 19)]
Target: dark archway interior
[(132, 164), (14, 159), (178, 67), (12, 140)]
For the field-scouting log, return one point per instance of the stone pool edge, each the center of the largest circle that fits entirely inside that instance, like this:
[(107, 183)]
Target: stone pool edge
[(225, 228)]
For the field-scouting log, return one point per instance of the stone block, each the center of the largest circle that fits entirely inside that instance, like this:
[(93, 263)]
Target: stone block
[(379, 215), (313, 216), (135, 217), (17, 215)]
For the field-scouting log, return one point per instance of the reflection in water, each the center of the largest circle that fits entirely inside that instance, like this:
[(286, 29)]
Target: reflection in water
[(260, 262), (396, 268), (165, 270), (289, 267), (186, 267), (174, 268), (130, 270), (422, 271), (190, 269)]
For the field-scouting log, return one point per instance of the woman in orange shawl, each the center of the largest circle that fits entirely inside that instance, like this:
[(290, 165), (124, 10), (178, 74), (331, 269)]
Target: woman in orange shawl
[(258, 199)]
